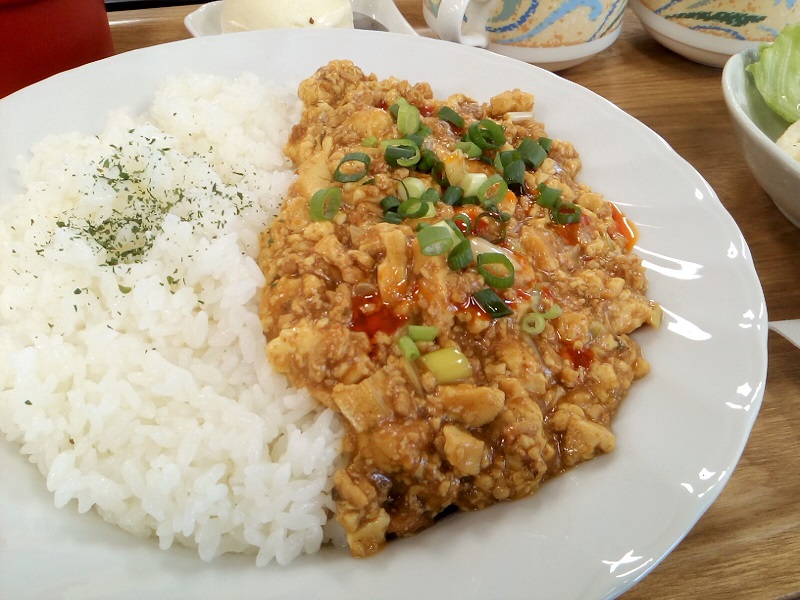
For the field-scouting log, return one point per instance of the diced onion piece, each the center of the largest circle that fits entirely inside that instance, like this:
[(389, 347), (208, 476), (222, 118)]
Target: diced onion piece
[(447, 365), (481, 245), (454, 169)]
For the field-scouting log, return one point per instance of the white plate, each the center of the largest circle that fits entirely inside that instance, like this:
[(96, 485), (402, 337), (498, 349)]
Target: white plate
[(206, 19), (591, 533)]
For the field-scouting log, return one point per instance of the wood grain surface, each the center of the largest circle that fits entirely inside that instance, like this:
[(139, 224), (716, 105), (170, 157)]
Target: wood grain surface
[(747, 546)]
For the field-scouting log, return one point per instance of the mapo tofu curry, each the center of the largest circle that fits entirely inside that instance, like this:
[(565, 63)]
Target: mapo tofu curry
[(439, 278)]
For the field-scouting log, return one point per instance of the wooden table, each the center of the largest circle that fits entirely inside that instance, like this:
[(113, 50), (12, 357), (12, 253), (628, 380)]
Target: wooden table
[(748, 543)]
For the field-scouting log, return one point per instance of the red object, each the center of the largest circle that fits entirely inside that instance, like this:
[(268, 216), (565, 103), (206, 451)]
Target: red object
[(39, 38)]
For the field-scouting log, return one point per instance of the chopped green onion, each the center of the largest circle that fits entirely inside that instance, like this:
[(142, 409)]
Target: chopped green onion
[(532, 152), (400, 153), (408, 118), (447, 365), (514, 172), (394, 109), (566, 213), (325, 203), (460, 256), (370, 141), (424, 130), (430, 195), (408, 347), (427, 161), (411, 187), (355, 176), (462, 218), (500, 190), (490, 226), (390, 203), (392, 217), (499, 282), (472, 182), (486, 134), (545, 143), (548, 197), (422, 333), (434, 241), (416, 138), (414, 208), (553, 312), (533, 323), (491, 303), (452, 195), (448, 114), (470, 149), (454, 228)]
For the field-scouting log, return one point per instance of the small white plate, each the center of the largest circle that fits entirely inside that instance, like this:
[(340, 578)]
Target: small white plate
[(206, 19)]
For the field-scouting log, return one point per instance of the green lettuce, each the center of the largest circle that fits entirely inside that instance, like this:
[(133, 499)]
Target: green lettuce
[(777, 73)]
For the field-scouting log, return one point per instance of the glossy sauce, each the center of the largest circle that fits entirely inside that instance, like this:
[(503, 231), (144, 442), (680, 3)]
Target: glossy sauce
[(625, 227), (371, 315)]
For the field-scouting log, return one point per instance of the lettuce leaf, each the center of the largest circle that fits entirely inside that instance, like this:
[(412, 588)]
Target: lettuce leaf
[(777, 73)]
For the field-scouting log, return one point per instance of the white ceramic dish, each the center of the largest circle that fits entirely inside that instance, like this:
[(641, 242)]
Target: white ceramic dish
[(206, 19), (700, 47), (757, 127), (591, 533)]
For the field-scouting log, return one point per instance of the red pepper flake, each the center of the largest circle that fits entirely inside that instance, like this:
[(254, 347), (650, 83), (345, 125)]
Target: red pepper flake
[(579, 357)]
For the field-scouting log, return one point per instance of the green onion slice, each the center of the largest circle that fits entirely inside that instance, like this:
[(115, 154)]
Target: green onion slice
[(400, 153), (427, 161), (553, 312), (470, 149), (447, 365), (498, 188), (533, 323), (390, 203), (408, 118), (548, 197), (514, 172), (414, 208), (499, 282), (486, 134), (448, 114), (545, 143), (325, 203), (452, 195), (532, 152), (460, 256), (392, 217), (370, 141), (361, 157), (566, 213), (430, 195), (492, 304), (434, 241), (422, 333), (466, 227), (394, 109), (408, 347)]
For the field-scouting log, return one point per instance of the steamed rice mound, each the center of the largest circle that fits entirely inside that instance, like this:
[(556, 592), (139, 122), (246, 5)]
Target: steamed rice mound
[(133, 370)]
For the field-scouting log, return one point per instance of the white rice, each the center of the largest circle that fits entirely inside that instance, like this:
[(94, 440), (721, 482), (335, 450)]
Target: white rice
[(142, 389)]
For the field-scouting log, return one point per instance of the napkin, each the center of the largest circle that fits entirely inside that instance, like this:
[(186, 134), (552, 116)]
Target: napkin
[(789, 329)]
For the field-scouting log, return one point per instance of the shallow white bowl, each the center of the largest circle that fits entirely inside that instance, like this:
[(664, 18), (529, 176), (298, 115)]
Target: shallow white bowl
[(757, 127), (700, 47)]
